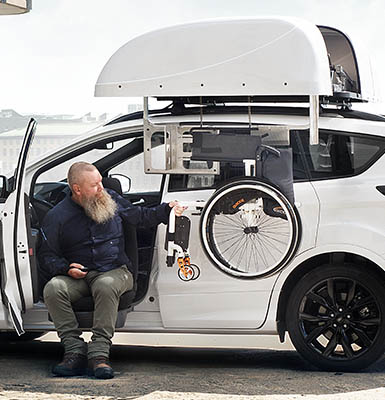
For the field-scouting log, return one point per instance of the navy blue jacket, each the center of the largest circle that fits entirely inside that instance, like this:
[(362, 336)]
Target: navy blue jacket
[(70, 236)]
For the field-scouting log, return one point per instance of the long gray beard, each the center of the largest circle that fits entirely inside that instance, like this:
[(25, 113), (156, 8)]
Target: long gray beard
[(101, 209)]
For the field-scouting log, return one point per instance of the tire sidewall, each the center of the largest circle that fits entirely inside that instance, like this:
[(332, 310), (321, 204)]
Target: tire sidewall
[(370, 282)]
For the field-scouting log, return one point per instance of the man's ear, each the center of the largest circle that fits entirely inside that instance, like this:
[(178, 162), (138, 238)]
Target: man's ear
[(75, 189)]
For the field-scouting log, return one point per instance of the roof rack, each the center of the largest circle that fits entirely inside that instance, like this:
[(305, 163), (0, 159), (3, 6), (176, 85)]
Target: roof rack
[(262, 62)]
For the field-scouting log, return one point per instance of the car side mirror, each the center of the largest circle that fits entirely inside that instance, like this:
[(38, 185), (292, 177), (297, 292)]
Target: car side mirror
[(124, 180), (4, 189)]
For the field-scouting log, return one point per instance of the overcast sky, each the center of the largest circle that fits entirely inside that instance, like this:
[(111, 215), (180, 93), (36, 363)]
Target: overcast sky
[(52, 56)]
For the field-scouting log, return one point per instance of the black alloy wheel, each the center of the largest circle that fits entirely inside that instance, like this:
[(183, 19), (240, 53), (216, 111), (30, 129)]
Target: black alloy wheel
[(336, 317)]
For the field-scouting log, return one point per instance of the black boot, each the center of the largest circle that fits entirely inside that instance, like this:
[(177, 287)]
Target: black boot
[(99, 366), (73, 364)]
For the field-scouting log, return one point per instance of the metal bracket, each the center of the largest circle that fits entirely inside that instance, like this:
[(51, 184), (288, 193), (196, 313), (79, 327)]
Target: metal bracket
[(177, 140), (314, 117), (177, 145), (272, 135)]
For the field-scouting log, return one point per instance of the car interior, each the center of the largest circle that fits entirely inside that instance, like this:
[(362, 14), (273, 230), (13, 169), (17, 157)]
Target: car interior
[(139, 240)]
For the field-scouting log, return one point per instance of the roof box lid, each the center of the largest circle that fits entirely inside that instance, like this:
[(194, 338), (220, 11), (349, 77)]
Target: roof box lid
[(237, 57), (350, 67)]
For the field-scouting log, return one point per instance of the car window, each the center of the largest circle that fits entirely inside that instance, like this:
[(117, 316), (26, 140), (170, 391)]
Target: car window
[(59, 172), (134, 169), (340, 154), (229, 170)]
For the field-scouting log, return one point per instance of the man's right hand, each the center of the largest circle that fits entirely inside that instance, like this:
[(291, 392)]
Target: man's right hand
[(75, 271)]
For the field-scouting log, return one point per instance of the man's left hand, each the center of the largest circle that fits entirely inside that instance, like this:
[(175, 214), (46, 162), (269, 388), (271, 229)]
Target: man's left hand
[(178, 209)]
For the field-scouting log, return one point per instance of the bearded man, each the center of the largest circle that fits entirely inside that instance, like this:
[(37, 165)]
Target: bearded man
[(82, 253)]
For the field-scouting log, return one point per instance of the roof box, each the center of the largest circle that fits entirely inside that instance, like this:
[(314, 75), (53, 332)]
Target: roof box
[(270, 59), (237, 57)]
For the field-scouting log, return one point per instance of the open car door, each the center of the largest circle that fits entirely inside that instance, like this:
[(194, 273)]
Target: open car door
[(16, 282)]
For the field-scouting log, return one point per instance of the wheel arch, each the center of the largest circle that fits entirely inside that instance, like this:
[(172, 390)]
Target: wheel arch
[(330, 258)]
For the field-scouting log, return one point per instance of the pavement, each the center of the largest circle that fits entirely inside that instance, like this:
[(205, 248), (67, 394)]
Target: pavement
[(373, 394), (269, 371)]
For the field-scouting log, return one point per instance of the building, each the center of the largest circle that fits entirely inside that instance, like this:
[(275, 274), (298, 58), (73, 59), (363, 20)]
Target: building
[(52, 132)]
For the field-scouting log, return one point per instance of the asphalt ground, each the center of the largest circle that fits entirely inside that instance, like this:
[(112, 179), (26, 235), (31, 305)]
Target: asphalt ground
[(157, 373)]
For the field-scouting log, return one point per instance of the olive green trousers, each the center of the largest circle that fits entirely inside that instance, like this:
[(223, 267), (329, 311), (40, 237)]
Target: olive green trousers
[(106, 289)]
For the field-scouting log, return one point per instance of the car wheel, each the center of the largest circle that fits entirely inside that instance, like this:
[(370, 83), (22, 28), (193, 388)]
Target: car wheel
[(336, 317)]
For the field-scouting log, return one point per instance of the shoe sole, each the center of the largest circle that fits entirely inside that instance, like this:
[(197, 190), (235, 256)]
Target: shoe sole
[(69, 372), (101, 373)]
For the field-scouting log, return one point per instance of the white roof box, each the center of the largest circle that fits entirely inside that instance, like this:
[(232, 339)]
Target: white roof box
[(237, 57)]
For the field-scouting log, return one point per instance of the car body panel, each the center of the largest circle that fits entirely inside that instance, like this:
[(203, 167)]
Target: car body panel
[(352, 210), (216, 300), (270, 327)]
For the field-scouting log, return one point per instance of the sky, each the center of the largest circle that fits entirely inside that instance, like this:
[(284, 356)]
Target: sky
[(52, 56)]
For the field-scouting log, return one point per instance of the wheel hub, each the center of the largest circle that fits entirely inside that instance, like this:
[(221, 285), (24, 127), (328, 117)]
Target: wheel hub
[(340, 318), (251, 229)]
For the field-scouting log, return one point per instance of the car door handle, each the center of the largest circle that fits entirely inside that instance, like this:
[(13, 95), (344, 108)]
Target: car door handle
[(141, 201)]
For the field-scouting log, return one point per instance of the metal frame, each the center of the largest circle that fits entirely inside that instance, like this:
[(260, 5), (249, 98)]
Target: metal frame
[(314, 119), (177, 139)]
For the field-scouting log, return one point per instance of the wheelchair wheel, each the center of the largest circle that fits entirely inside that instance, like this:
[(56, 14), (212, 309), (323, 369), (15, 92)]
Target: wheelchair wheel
[(249, 229)]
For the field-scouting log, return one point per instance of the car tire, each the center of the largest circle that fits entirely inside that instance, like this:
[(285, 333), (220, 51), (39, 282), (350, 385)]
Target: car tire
[(336, 317)]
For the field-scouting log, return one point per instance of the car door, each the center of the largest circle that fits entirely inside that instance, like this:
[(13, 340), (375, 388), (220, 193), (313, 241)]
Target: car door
[(216, 300), (16, 281)]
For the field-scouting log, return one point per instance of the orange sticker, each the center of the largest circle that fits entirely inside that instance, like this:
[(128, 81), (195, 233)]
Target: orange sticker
[(238, 203)]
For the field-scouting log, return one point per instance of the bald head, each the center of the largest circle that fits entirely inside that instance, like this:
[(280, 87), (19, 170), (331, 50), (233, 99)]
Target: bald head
[(77, 172), (85, 181), (87, 189)]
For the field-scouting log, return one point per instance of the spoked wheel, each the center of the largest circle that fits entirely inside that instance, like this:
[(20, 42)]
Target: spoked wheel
[(335, 318), (249, 229)]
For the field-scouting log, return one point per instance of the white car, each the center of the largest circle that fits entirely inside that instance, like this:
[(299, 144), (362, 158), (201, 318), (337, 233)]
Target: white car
[(285, 228)]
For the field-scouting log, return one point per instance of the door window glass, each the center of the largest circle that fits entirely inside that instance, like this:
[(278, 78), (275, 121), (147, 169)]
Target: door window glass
[(340, 154), (134, 169), (59, 172)]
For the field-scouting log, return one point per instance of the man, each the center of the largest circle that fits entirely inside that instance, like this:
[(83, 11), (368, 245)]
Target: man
[(82, 253)]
